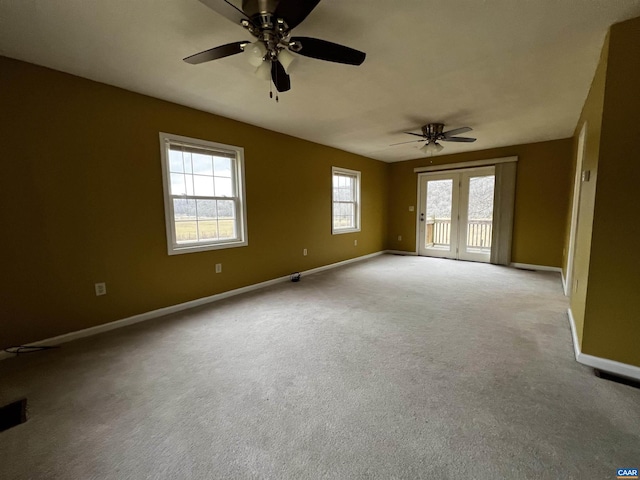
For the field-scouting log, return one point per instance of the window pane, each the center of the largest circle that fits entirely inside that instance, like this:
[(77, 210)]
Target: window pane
[(186, 231), (188, 181), (222, 167), (439, 199), (481, 198), (175, 161), (203, 185), (207, 230), (224, 187), (349, 209), (177, 184), (184, 212), (186, 160), (346, 209), (226, 209), (207, 209), (344, 215), (343, 221), (343, 194), (345, 181), (226, 219), (184, 209), (202, 164)]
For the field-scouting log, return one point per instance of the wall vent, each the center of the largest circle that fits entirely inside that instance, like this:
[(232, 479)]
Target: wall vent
[(13, 414)]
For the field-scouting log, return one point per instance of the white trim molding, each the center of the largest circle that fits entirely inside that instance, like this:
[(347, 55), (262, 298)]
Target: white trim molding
[(356, 201), (611, 366), (529, 266), (470, 164), (105, 327)]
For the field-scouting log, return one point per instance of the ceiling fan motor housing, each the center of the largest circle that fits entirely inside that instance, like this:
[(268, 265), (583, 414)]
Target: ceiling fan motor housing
[(433, 131), (256, 7)]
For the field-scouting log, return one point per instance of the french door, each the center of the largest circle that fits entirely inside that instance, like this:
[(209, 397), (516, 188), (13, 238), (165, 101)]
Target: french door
[(455, 218)]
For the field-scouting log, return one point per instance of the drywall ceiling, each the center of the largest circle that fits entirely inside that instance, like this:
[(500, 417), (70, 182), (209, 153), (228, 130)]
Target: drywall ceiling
[(516, 71)]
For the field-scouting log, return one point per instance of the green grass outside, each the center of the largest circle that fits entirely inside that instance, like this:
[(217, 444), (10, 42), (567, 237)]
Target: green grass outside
[(209, 229)]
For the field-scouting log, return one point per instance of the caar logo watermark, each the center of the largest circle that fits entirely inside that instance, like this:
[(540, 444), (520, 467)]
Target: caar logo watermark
[(627, 473)]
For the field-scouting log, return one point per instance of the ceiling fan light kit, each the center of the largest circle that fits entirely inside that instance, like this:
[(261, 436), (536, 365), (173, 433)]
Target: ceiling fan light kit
[(255, 53), (263, 72), (286, 59), (431, 148), (271, 22)]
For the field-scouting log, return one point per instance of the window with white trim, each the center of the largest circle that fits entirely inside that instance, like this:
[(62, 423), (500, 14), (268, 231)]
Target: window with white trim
[(346, 200), (203, 193)]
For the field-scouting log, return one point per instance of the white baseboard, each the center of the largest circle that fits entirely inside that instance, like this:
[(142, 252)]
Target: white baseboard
[(574, 334), (105, 327), (564, 284), (528, 266), (401, 252), (604, 364)]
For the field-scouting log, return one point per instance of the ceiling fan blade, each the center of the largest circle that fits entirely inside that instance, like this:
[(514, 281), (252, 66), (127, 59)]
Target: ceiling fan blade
[(416, 134), (226, 9), (295, 11), (329, 51), (456, 131), (215, 53), (458, 139), (280, 78), (410, 141)]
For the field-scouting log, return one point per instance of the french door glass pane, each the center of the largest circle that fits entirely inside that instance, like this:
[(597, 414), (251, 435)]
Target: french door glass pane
[(438, 221), (480, 214)]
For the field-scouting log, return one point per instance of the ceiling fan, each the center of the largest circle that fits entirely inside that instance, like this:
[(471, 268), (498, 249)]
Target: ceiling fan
[(271, 22), (433, 132)]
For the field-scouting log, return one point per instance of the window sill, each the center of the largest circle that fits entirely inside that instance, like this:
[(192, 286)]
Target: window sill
[(344, 230), (180, 249)]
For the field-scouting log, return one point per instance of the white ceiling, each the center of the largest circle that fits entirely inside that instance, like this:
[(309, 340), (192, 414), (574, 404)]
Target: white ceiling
[(516, 71)]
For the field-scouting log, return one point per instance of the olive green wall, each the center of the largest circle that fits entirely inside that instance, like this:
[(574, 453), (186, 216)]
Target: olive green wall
[(541, 205), (612, 319), (591, 117), (82, 202)]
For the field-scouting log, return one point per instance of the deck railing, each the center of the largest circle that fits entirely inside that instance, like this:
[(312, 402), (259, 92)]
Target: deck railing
[(479, 232)]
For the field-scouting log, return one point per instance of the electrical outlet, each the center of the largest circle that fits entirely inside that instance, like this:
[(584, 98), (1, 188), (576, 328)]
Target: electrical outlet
[(101, 289), (399, 238), (411, 208), (304, 252), (355, 243), (218, 268)]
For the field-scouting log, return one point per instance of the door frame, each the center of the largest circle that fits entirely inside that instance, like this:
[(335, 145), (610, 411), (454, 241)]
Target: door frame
[(459, 203), (452, 253), (575, 210)]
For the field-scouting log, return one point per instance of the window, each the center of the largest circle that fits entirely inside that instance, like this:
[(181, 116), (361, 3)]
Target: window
[(203, 194), (346, 200)]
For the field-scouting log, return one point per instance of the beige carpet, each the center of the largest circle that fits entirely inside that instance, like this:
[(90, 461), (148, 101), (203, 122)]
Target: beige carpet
[(397, 367)]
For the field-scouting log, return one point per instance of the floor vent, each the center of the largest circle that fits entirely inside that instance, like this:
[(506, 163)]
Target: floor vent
[(13, 414), (616, 378)]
